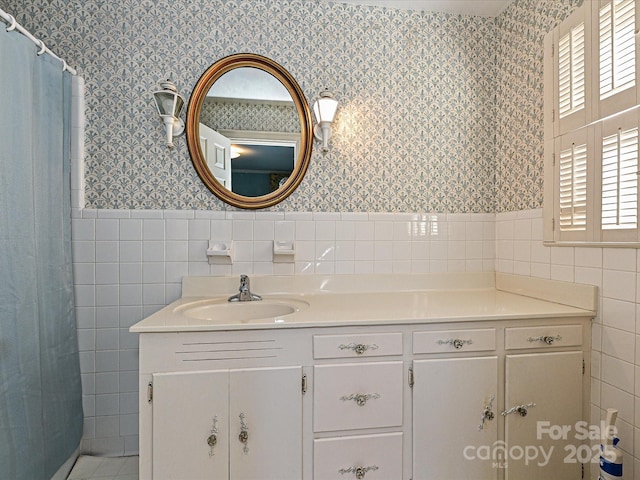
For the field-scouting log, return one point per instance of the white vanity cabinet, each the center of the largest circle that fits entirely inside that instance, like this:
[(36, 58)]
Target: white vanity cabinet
[(553, 383), (548, 384), (236, 424), (449, 401), (429, 385), (221, 405), (358, 406), (454, 403), (477, 416), (418, 402)]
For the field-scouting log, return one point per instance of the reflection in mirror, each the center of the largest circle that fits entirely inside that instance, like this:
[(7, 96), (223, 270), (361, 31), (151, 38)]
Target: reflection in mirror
[(253, 133), (245, 105), (260, 166)]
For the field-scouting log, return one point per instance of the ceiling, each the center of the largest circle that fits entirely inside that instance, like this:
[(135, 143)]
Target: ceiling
[(483, 8)]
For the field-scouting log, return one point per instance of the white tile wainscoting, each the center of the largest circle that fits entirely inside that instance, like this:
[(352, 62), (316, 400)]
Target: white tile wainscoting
[(615, 358), (129, 263)]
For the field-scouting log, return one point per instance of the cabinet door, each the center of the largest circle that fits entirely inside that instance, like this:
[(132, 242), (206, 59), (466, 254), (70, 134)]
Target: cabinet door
[(449, 399), (553, 381), (270, 402), (185, 408)]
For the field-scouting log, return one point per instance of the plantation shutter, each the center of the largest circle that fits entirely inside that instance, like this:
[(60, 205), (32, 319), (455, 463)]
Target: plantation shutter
[(573, 212), (592, 125), (572, 54), (617, 55), (619, 178), (571, 63), (573, 188)]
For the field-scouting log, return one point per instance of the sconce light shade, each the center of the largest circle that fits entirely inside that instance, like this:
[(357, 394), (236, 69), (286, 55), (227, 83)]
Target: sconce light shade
[(169, 104), (324, 109)]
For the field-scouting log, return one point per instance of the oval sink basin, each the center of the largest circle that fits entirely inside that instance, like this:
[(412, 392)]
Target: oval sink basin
[(220, 310)]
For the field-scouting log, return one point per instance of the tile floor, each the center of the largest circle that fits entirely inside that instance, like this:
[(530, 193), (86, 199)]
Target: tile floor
[(103, 468)]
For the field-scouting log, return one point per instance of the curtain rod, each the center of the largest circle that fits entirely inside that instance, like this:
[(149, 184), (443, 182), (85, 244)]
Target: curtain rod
[(14, 25)]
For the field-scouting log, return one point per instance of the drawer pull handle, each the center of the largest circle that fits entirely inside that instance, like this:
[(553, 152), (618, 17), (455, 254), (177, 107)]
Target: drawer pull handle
[(360, 472), (455, 342), (521, 410), (359, 348), (244, 433), (487, 413), (548, 339), (360, 398), (212, 439)]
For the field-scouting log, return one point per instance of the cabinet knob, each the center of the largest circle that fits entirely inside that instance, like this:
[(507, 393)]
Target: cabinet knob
[(547, 339), (212, 439), (487, 413), (456, 343), (521, 410), (243, 437), (360, 398), (358, 348), (359, 472)]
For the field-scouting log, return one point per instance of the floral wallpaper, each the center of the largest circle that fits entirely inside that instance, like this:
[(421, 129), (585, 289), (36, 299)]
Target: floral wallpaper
[(240, 115), (414, 131), (438, 112), (519, 149)]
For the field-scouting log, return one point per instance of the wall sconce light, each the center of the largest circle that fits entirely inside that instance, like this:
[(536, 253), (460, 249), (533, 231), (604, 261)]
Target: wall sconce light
[(170, 103), (324, 109)]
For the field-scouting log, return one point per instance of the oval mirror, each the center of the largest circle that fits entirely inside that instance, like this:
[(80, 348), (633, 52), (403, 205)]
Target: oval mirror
[(249, 131)]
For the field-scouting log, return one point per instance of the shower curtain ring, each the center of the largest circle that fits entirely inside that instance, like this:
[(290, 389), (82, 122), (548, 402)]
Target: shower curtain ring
[(43, 48), (13, 23)]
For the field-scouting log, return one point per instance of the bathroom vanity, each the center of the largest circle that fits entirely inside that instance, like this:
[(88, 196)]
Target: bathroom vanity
[(366, 377)]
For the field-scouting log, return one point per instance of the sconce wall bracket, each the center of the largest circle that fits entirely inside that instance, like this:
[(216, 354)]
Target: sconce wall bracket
[(324, 109), (169, 104)]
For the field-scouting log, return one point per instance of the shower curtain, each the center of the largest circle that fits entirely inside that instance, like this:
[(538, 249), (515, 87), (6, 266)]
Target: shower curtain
[(40, 394)]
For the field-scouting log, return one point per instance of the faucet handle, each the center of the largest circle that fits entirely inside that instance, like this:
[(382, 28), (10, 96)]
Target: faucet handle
[(244, 292), (244, 283)]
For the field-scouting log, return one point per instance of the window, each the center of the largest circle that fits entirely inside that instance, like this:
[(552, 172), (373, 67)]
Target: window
[(592, 123)]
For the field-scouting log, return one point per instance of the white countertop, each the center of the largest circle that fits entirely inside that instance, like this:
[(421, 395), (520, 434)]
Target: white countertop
[(431, 298)]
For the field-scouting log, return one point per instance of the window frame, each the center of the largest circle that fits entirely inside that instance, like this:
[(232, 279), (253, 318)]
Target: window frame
[(590, 125)]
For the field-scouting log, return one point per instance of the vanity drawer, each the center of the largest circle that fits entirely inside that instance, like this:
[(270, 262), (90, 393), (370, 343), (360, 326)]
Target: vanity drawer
[(357, 395), (545, 336), (357, 345), (444, 341), (378, 456)]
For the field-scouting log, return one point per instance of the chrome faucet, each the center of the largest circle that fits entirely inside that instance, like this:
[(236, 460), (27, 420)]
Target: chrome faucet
[(244, 292)]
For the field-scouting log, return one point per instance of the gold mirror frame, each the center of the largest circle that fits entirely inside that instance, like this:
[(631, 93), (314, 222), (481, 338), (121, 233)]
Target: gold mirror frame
[(208, 78)]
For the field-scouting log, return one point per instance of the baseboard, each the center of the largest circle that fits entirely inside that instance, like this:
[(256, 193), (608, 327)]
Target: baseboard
[(64, 471)]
